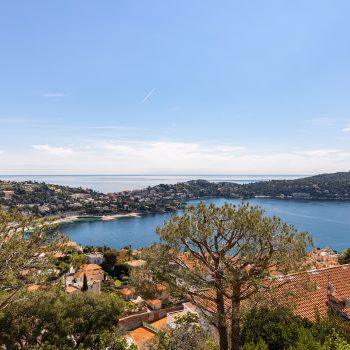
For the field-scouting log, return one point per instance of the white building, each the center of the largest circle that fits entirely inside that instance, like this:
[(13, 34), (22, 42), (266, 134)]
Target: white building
[(95, 258)]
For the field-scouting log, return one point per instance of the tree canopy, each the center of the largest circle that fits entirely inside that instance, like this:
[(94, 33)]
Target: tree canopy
[(222, 256)]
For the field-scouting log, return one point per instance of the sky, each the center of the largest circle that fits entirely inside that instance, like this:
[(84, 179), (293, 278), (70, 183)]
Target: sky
[(174, 87)]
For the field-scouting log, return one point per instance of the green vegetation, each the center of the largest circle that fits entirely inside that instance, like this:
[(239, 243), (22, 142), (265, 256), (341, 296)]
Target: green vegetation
[(82, 320), (344, 258), (278, 329), (47, 318), (42, 199), (228, 251)]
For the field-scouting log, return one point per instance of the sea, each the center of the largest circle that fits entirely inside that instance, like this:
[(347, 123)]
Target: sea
[(327, 221)]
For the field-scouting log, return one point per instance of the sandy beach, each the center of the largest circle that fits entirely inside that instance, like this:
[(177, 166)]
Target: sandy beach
[(70, 219)]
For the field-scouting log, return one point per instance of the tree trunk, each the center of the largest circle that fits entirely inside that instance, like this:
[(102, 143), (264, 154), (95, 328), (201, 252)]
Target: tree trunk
[(221, 323), (235, 324)]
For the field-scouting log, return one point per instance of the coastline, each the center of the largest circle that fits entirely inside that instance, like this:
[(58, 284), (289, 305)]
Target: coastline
[(77, 218)]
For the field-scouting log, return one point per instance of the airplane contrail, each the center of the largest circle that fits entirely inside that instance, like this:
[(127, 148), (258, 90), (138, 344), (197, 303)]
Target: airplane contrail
[(148, 96)]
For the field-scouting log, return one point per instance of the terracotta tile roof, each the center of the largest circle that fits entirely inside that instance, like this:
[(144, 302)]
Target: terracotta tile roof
[(89, 267), (141, 335), (127, 291), (160, 287), (71, 290), (98, 275), (136, 263), (154, 303), (160, 324), (308, 290), (34, 287)]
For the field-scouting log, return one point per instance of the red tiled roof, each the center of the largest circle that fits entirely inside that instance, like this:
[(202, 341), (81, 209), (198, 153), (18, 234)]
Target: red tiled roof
[(309, 290), (127, 291), (89, 267)]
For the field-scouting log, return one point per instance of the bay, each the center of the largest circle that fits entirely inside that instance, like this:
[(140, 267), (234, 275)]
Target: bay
[(327, 221)]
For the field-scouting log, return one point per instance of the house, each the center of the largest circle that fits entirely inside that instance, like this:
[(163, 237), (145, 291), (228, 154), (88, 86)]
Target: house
[(95, 258), (136, 263), (324, 257), (72, 290), (94, 276), (162, 291), (91, 275), (312, 292), (35, 287), (8, 194), (76, 283), (72, 246), (143, 332), (128, 293), (154, 304)]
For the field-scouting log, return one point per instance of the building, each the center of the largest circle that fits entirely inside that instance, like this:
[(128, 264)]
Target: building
[(72, 246), (72, 290), (128, 294), (324, 257), (136, 263), (95, 258), (311, 292), (94, 276), (93, 272), (154, 304)]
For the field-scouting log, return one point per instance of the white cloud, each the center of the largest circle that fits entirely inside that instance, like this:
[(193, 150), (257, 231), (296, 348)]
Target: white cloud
[(166, 157), (54, 151), (347, 128), (54, 94)]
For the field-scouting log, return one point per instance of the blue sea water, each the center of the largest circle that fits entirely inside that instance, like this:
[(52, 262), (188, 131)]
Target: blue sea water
[(327, 221)]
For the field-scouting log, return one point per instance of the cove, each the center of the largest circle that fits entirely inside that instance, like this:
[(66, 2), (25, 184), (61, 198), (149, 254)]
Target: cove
[(327, 221)]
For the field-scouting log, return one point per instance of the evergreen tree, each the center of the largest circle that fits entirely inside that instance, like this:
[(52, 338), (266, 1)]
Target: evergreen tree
[(85, 284), (230, 251)]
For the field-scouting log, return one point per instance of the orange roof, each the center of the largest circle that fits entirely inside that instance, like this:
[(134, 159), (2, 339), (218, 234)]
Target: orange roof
[(94, 273), (160, 287), (306, 300), (70, 244), (34, 287), (71, 290), (154, 302), (89, 267), (160, 324), (59, 255), (141, 335), (127, 291)]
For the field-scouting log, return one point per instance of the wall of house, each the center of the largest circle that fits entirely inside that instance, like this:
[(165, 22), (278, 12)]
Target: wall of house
[(148, 317)]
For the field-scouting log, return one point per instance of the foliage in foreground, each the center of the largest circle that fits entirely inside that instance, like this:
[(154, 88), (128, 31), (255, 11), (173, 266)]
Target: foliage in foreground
[(229, 251), (280, 329), (52, 318), (47, 318)]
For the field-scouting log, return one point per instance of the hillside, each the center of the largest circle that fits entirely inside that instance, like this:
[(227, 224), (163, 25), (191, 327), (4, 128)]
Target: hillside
[(324, 186), (43, 199)]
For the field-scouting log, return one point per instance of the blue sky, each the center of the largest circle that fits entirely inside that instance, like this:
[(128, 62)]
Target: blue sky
[(234, 87)]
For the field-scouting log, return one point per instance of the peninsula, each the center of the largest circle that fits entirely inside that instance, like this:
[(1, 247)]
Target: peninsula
[(45, 199)]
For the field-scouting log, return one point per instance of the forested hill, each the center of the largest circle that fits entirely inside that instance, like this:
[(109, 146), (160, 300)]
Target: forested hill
[(43, 199), (323, 186)]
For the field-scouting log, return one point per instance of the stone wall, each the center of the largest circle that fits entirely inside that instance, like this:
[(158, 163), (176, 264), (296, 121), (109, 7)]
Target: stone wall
[(148, 317)]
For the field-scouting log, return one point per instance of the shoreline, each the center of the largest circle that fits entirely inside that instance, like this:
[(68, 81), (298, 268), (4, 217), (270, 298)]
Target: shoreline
[(77, 218)]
